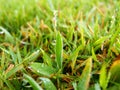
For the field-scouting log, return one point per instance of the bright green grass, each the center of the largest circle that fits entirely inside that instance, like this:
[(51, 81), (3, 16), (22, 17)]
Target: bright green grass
[(58, 44)]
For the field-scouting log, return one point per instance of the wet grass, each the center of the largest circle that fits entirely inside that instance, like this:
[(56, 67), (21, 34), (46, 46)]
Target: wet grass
[(59, 44)]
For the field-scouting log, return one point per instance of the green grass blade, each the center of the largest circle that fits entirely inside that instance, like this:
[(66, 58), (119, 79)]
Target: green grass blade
[(51, 5), (82, 37), (85, 77), (97, 86), (32, 82), (46, 58), (94, 56), (104, 78), (8, 36), (59, 50), (11, 87), (48, 85), (13, 70), (32, 57), (74, 55), (70, 34), (13, 55), (42, 69), (6, 51), (2, 60), (100, 40), (19, 56), (74, 85), (115, 71), (113, 39)]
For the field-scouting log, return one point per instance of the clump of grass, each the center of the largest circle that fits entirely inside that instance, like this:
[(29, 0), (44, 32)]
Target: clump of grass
[(62, 45)]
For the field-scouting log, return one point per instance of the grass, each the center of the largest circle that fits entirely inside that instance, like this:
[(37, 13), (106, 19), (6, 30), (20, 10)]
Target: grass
[(59, 44)]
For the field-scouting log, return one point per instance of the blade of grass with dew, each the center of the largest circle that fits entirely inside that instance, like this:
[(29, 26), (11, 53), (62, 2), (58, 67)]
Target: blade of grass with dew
[(32, 57), (59, 50), (6, 51), (48, 85), (85, 77), (32, 82), (42, 69), (8, 36)]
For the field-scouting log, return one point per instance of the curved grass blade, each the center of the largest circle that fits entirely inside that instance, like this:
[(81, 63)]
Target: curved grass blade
[(8, 36), (32, 57), (59, 50), (42, 69), (32, 82), (48, 85), (6, 51), (100, 40), (85, 77)]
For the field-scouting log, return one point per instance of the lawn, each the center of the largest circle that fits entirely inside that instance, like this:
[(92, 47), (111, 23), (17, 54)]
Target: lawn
[(59, 45)]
